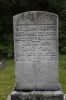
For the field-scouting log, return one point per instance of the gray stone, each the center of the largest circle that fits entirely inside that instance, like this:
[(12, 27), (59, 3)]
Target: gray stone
[(36, 50), (64, 96), (9, 97), (2, 64), (37, 95)]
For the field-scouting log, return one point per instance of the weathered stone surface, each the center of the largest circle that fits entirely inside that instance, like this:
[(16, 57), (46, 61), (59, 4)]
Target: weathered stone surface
[(36, 50), (37, 95)]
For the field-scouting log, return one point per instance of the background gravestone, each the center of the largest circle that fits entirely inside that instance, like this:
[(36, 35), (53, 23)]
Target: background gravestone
[(2, 64), (36, 50)]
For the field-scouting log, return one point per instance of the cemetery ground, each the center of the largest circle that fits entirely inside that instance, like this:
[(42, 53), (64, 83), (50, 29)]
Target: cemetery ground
[(7, 77)]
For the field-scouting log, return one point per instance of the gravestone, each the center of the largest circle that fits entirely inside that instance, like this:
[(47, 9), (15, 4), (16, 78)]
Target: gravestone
[(36, 55), (36, 51), (2, 64)]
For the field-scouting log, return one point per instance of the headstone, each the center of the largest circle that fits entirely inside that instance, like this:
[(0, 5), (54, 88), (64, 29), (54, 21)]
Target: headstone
[(64, 96), (36, 50), (2, 64), (36, 56)]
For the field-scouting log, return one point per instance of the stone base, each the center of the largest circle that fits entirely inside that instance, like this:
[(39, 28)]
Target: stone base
[(37, 95)]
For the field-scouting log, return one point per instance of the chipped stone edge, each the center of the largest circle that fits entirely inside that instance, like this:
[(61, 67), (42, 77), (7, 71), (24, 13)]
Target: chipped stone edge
[(45, 93)]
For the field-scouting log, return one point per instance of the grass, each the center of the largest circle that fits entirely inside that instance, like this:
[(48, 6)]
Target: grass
[(63, 72), (7, 77)]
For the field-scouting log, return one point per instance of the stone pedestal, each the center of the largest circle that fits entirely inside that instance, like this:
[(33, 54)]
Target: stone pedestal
[(37, 95)]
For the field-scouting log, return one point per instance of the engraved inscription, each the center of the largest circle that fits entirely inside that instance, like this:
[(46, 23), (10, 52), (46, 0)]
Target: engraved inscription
[(36, 43)]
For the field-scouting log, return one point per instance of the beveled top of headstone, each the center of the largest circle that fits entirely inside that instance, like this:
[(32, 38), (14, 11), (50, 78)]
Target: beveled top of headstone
[(36, 50), (35, 17)]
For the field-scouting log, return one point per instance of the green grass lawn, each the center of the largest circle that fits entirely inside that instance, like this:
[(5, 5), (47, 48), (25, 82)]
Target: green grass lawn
[(7, 77), (63, 72)]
